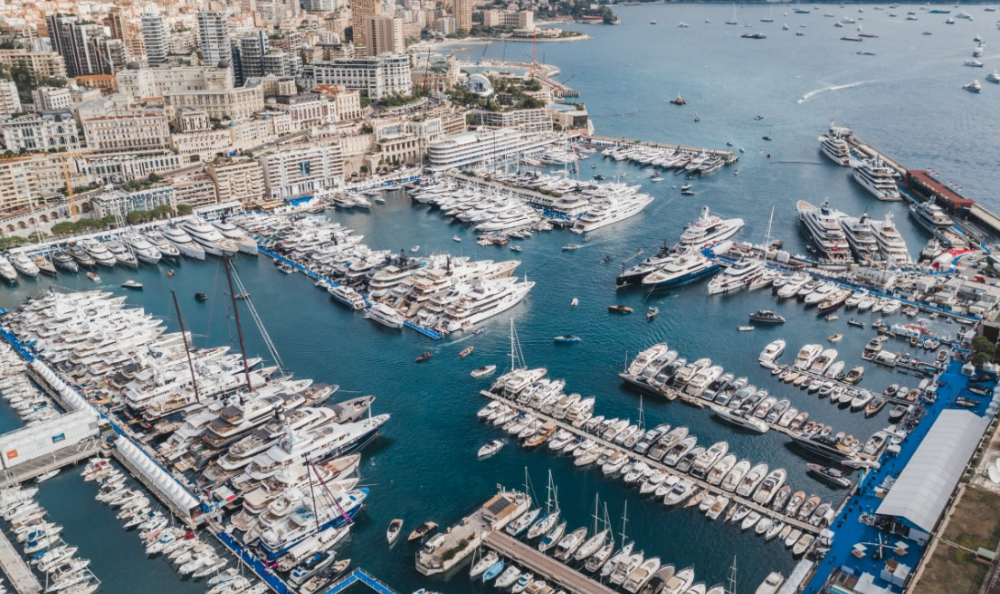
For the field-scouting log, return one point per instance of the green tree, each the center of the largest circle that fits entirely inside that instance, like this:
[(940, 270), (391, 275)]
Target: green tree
[(184, 209), (64, 228)]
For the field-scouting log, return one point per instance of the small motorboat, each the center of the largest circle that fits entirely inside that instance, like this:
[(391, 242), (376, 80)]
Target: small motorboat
[(515, 248), (242, 296), (651, 314), (456, 238), (620, 309), (422, 531), (131, 284), (571, 247), (745, 328), (491, 448), (484, 371), (93, 276), (395, 529), (678, 101), (200, 297), (607, 258), (465, 352), (855, 323), (574, 302), (415, 248), (567, 338), (832, 476), (832, 318), (835, 337), (424, 356)]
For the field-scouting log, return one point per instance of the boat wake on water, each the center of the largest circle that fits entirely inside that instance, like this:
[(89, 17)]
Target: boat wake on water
[(830, 88)]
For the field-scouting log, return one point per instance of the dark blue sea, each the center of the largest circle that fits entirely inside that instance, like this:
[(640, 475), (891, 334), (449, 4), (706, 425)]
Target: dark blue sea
[(906, 100)]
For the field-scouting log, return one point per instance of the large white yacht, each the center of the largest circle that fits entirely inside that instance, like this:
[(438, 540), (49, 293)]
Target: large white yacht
[(860, 237), (485, 300), (835, 147), (822, 226), (680, 269), (891, 245), (385, 315), (236, 235), (615, 208), (347, 296), (707, 229), (209, 238), (876, 177), (7, 271), (315, 445), (99, 253), (931, 217), (736, 277), (183, 242), (143, 249), (771, 352), (25, 266)]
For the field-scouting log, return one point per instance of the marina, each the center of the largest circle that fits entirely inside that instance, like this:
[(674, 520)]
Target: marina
[(225, 401)]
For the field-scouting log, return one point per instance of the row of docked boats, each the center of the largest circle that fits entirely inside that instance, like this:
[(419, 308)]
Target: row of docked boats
[(837, 238), (521, 207), (681, 160), (828, 296), (266, 436), (437, 292), (40, 539), (29, 403), (191, 238), (665, 462), (734, 400)]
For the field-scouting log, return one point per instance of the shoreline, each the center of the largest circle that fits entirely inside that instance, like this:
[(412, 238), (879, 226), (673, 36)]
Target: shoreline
[(488, 40)]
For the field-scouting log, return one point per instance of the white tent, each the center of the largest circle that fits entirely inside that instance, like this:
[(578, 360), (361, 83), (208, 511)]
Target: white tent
[(925, 485)]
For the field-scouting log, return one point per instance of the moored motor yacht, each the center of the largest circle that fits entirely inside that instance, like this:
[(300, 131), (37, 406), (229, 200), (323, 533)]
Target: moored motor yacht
[(184, 243), (209, 238)]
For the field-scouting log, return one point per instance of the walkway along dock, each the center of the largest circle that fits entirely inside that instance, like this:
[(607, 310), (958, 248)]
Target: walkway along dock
[(360, 576), (16, 570), (37, 467), (728, 156), (555, 572), (714, 489)]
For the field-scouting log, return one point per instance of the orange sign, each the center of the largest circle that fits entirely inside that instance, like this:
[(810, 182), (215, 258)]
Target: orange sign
[(12, 454)]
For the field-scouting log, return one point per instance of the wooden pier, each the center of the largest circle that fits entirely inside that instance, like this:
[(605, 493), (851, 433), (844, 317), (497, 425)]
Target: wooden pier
[(702, 484), (16, 570), (553, 571)]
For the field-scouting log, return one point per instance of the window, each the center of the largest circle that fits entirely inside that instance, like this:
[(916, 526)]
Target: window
[(305, 168), (58, 438)]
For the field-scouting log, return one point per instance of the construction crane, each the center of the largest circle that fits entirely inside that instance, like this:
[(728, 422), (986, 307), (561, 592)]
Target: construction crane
[(73, 210)]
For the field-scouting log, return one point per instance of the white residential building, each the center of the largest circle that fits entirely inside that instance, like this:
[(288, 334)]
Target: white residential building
[(300, 171), (377, 76), (43, 132), (127, 133), (10, 103), (146, 83), (483, 147), (52, 98)]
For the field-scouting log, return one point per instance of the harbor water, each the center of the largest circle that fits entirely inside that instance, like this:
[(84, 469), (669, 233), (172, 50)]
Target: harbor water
[(905, 100)]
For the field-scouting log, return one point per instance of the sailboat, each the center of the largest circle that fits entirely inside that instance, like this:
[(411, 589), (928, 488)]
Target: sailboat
[(595, 542), (734, 20), (551, 517), (770, 17)]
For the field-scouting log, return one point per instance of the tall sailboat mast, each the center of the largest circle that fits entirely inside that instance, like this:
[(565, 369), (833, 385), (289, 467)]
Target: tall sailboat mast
[(187, 350), (236, 314)]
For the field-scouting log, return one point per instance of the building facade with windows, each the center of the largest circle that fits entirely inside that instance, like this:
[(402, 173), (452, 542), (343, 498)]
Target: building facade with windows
[(301, 171), (119, 202), (127, 133), (41, 132), (376, 76)]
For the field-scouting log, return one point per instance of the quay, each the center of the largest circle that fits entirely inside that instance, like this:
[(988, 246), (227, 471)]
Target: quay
[(978, 220), (16, 570), (551, 206), (714, 489), (444, 551), (729, 157), (555, 572)]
